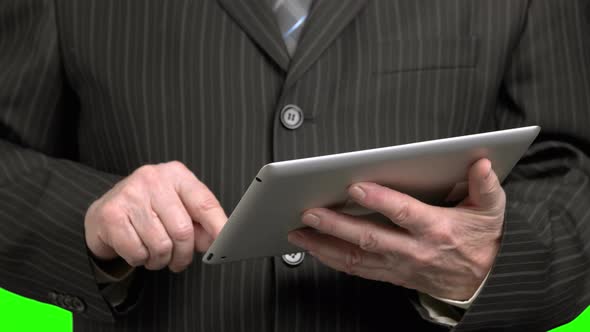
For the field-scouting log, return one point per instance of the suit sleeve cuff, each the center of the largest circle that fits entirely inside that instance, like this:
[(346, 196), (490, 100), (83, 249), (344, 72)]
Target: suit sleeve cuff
[(109, 272), (114, 279), (444, 311)]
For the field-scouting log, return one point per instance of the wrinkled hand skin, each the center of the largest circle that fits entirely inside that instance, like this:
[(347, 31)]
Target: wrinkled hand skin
[(441, 251), (156, 217)]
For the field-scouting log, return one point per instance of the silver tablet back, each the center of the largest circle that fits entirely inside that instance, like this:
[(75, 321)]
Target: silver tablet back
[(434, 172)]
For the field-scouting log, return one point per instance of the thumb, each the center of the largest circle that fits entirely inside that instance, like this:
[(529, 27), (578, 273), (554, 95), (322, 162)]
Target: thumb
[(485, 190)]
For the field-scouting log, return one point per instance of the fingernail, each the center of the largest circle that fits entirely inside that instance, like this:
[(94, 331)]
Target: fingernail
[(296, 238), (357, 192), (311, 220)]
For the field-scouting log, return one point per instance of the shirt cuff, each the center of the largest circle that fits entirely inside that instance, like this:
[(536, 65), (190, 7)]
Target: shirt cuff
[(114, 278), (443, 310), (464, 304)]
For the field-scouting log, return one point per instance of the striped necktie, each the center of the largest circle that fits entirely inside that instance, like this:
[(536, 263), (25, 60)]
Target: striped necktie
[(291, 15)]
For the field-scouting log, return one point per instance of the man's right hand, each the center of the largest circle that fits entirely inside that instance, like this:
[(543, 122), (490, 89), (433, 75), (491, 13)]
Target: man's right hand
[(156, 217)]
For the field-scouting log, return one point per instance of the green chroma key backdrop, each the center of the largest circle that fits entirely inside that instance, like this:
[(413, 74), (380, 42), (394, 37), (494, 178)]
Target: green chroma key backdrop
[(20, 314)]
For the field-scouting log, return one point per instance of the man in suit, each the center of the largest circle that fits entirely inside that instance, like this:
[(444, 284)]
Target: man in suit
[(128, 128)]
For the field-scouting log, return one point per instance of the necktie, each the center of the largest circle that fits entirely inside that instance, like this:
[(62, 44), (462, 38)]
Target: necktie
[(291, 15)]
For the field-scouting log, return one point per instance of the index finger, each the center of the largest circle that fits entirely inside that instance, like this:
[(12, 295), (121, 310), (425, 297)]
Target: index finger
[(177, 222), (369, 236), (201, 204), (401, 209)]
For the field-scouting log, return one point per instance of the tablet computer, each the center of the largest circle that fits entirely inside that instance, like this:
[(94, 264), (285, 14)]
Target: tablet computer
[(434, 172)]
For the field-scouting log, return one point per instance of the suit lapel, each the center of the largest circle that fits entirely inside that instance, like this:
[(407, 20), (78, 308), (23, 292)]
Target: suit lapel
[(326, 20), (256, 18)]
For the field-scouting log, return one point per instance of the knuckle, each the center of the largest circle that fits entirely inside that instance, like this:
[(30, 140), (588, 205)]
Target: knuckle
[(138, 257), (130, 191), (163, 248), (442, 234), (111, 213), (176, 166), (93, 209), (368, 240), (207, 203), (424, 258), (147, 173), (352, 262), (183, 232), (402, 214), (133, 261), (146, 170)]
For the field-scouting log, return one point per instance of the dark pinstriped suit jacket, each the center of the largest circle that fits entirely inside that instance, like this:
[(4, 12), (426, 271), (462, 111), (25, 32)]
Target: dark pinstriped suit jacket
[(90, 90)]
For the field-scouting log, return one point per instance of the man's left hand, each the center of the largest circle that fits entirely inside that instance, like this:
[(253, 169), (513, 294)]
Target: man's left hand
[(444, 252)]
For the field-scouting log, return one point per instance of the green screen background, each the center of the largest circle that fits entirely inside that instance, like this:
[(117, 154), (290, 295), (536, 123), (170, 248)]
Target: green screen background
[(21, 314)]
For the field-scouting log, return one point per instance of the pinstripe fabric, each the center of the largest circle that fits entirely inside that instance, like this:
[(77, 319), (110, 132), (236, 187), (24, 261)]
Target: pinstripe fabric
[(90, 90)]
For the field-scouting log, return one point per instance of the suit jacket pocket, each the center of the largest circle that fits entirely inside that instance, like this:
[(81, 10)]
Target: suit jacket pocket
[(425, 54)]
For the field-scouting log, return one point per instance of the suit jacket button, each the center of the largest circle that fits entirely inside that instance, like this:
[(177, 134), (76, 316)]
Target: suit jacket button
[(294, 259), (60, 300), (78, 305), (52, 297), (291, 117), (67, 302)]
